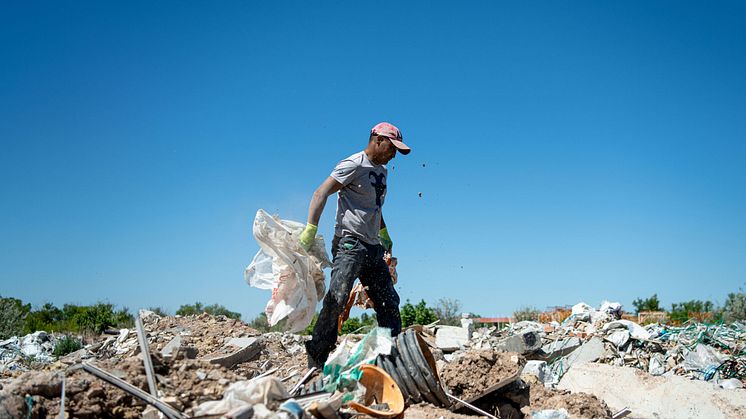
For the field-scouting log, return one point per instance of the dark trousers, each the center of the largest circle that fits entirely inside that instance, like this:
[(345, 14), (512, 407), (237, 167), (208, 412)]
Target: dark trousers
[(353, 258)]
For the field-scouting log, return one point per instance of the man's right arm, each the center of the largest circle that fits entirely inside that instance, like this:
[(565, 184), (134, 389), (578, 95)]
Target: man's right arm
[(318, 201)]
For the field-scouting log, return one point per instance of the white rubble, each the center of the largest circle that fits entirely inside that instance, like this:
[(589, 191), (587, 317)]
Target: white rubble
[(654, 397)]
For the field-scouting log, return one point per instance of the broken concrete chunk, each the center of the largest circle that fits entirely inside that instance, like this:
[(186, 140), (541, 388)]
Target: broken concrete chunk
[(590, 351), (246, 353), (522, 343), (241, 342), (171, 348), (560, 347), (537, 369), (451, 338)]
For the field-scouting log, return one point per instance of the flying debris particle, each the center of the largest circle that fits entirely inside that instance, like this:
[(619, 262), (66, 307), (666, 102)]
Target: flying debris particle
[(423, 164)]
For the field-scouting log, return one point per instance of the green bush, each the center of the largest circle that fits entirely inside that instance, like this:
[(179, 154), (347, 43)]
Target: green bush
[(214, 309), (680, 311), (417, 314), (648, 304), (526, 313), (159, 311), (735, 307), (66, 345), (12, 317)]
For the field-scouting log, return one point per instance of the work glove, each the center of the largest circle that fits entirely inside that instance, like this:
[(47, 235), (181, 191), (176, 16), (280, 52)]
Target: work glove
[(386, 242), (307, 237)]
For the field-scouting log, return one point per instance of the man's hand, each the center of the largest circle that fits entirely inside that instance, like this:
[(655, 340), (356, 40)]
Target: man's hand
[(307, 236), (386, 242)]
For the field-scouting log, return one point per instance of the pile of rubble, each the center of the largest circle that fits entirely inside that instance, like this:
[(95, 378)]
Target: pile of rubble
[(213, 366), (714, 355), (16, 353)]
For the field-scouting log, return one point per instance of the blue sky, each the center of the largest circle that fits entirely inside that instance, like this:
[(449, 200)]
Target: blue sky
[(564, 151)]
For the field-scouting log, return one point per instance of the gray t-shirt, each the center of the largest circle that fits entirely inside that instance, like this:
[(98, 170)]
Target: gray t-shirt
[(361, 199)]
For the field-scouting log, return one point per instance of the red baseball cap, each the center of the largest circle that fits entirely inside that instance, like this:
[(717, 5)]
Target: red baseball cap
[(393, 133)]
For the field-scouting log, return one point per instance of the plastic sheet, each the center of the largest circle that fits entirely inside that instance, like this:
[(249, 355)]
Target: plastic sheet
[(294, 275)]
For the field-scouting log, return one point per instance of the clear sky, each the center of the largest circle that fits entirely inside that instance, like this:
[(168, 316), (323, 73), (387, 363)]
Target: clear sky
[(564, 151)]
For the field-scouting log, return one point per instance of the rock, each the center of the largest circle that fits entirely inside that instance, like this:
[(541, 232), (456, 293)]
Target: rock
[(244, 354), (522, 343), (731, 384), (560, 347), (171, 348), (590, 351), (537, 369), (451, 338)]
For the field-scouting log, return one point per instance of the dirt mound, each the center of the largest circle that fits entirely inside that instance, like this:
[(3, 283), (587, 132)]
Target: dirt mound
[(578, 405), (473, 372), (184, 384), (428, 411)]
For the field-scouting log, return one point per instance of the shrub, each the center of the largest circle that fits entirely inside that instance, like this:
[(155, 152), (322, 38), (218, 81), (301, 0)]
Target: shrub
[(526, 313), (417, 314), (648, 304), (735, 307), (448, 311), (214, 309), (66, 345), (12, 316)]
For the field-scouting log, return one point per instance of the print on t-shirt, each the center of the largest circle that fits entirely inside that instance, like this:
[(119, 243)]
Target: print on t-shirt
[(378, 185)]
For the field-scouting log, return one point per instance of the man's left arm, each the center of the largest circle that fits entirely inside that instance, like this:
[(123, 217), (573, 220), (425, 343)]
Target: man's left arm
[(383, 234)]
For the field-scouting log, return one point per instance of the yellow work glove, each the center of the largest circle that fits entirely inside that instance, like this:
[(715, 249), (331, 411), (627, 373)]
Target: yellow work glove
[(386, 242), (307, 236)]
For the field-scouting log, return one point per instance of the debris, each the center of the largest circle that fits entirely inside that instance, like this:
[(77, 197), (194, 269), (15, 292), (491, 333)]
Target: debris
[(588, 352), (380, 389), (248, 349), (648, 396), (267, 391), (451, 338), (478, 372), (413, 368), (145, 353), (523, 343), (167, 410)]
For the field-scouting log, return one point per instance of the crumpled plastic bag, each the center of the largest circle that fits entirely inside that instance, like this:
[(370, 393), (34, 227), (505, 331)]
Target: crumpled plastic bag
[(343, 364), (265, 391), (702, 358), (294, 275)]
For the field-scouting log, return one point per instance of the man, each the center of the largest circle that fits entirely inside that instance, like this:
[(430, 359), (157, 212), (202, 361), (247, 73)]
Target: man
[(360, 237)]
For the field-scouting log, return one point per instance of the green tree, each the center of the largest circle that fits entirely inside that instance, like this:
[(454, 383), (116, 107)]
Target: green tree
[(735, 307), (351, 325), (416, 314), (680, 311), (448, 311), (213, 309), (526, 313), (12, 316), (159, 311), (648, 304), (48, 318)]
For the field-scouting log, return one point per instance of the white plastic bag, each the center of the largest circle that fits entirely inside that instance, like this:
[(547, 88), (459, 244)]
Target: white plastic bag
[(295, 276)]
